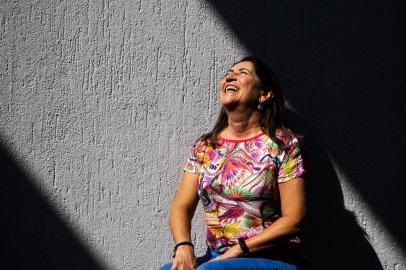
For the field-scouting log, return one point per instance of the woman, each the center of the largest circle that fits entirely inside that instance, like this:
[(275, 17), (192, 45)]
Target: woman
[(247, 172)]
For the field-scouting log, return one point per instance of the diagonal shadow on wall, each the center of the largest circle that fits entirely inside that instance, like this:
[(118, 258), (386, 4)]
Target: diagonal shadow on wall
[(340, 64), (334, 240), (33, 235)]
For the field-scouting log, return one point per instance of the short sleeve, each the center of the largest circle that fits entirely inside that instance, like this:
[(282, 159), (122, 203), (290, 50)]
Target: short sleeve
[(292, 163), (192, 164)]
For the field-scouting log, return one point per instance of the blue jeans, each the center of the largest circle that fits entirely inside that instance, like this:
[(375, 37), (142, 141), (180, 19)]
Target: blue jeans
[(204, 263)]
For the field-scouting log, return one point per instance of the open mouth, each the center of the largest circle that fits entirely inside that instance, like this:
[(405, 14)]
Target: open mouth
[(231, 88)]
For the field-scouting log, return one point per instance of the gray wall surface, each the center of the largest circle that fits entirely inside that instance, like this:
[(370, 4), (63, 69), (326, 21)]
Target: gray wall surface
[(100, 102)]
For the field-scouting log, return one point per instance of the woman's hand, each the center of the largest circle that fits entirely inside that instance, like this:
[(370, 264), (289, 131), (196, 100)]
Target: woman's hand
[(234, 252), (185, 259)]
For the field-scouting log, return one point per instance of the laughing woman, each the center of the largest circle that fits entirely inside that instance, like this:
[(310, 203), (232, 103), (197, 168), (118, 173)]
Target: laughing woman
[(248, 173)]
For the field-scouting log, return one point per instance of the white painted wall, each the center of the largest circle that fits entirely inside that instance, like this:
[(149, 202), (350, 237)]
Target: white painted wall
[(100, 102)]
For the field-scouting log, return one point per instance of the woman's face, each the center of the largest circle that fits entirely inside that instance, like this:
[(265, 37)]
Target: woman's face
[(240, 86)]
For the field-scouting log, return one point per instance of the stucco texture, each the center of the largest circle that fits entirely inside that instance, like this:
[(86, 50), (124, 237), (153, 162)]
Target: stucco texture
[(100, 102)]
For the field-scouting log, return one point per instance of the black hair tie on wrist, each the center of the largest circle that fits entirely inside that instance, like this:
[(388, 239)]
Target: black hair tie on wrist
[(243, 246), (184, 243)]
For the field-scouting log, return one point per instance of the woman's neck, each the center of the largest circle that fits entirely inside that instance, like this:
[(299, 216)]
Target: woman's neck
[(242, 125)]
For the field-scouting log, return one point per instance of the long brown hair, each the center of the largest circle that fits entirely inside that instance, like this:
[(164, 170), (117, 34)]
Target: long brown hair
[(273, 113)]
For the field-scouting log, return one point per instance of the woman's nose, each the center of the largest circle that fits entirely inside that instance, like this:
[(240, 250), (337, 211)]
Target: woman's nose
[(230, 77)]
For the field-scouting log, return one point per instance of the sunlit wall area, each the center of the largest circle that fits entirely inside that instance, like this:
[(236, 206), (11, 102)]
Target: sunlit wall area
[(100, 103)]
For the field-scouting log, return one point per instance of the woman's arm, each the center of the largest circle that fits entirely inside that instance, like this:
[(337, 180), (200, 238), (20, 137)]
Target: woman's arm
[(180, 218), (292, 194)]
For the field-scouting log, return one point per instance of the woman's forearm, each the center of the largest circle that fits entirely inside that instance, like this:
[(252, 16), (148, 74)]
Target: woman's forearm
[(183, 208), (281, 228), (180, 219), (266, 239)]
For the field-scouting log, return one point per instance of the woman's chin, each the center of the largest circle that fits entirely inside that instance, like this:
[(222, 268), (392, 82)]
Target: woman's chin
[(230, 106), (227, 100)]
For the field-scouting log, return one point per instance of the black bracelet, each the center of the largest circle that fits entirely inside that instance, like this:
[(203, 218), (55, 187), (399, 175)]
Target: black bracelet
[(184, 243), (243, 246)]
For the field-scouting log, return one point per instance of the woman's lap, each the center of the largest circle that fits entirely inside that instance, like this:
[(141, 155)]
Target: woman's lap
[(247, 264), (240, 264)]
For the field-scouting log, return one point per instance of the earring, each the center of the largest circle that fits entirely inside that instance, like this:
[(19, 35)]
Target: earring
[(260, 107)]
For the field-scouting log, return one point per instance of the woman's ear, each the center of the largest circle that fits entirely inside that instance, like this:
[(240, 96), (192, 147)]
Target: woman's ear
[(265, 96)]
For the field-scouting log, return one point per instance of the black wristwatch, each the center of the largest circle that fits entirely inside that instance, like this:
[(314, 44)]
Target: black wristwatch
[(243, 246)]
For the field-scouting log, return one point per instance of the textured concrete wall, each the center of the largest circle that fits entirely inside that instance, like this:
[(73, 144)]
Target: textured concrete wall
[(99, 104)]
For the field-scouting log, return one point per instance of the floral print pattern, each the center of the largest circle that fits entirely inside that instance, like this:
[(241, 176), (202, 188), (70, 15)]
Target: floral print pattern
[(238, 185)]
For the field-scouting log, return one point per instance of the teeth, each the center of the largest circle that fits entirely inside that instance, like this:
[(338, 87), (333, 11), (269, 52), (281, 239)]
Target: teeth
[(232, 88)]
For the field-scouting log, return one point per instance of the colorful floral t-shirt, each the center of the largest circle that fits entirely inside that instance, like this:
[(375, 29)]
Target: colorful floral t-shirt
[(238, 185)]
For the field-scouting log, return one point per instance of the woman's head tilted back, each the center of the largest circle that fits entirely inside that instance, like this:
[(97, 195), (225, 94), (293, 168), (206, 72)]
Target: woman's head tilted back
[(262, 83)]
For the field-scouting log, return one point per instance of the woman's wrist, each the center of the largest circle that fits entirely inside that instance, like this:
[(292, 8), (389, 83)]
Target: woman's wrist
[(243, 247), (182, 245)]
